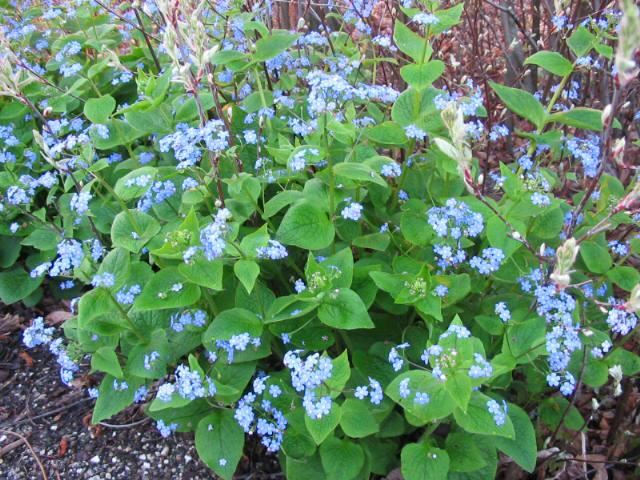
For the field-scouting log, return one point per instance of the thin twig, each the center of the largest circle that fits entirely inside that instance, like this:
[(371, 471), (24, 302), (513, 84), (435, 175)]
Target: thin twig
[(125, 425), (33, 452), (509, 11), (147, 40)]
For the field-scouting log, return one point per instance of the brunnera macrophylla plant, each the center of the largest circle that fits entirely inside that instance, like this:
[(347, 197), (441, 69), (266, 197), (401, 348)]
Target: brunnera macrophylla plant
[(266, 236)]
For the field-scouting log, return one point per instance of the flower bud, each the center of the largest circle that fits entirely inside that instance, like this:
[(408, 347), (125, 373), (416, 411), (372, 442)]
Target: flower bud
[(631, 201), (565, 258), (618, 151), (606, 113), (633, 304)]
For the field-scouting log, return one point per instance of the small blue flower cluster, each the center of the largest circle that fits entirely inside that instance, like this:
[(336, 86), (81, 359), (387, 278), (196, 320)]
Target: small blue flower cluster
[(212, 237), (127, 295), (499, 412), (420, 398), (556, 307), (307, 375), (237, 343), (188, 384), (262, 417), (158, 193), (37, 334), (488, 262), (587, 151), (273, 251), (186, 142), (180, 321)]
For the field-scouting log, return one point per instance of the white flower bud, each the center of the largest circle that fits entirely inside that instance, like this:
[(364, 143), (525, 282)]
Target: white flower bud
[(606, 113), (633, 304)]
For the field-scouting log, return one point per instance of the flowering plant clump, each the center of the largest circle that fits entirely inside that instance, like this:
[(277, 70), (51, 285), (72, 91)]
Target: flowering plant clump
[(299, 236)]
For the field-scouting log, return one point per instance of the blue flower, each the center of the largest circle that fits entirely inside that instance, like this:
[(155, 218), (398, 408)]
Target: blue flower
[(499, 412)]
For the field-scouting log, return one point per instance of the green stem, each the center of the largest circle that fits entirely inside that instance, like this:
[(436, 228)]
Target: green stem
[(332, 179), (125, 315), (263, 99)]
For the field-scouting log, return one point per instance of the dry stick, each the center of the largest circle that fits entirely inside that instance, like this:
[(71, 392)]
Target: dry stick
[(9, 447), (620, 407), (46, 81), (147, 40), (125, 425), (46, 414), (574, 395), (540, 467), (33, 452), (203, 120), (214, 93), (124, 19), (509, 11)]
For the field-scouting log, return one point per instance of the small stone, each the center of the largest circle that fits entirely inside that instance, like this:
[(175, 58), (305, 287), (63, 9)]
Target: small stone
[(95, 459)]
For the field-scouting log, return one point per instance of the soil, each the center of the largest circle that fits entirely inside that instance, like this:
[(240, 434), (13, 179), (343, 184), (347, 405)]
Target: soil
[(53, 419)]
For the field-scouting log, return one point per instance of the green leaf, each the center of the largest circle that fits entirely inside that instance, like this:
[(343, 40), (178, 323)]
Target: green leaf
[(552, 411), (41, 239), (581, 41), (459, 386), (339, 267), (133, 230), (306, 226), (341, 458), (307, 468), (105, 360), (156, 120), (232, 322), (522, 103), (138, 363), (373, 241), (339, 374), (203, 272), (579, 117), (321, 428), (345, 310), (422, 76), (97, 308), (525, 340), (360, 172), (126, 187), (386, 133), (464, 453), (273, 45), (166, 290), (98, 110), (522, 449), (357, 420), (629, 361), (595, 256), (411, 43), (478, 419), (219, 442), (281, 200), (117, 262), (440, 405), (548, 224), (625, 277), (421, 461), (247, 272), (551, 61), (16, 285), (111, 401)]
